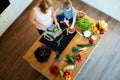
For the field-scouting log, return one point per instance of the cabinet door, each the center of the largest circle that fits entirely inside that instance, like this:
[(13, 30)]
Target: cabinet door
[(1, 25), (20, 5), (7, 18), (8, 15)]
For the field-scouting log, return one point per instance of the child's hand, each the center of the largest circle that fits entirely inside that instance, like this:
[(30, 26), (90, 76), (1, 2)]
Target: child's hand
[(66, 22), (71, 27)]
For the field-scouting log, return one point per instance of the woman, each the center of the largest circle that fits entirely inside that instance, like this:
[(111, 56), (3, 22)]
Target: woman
[(43, 15)]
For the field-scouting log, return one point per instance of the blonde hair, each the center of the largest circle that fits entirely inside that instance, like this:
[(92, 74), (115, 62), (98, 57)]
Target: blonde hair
[(67, 3), (44, 5)]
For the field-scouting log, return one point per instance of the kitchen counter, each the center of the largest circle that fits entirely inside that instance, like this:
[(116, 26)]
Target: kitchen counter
[(43, 68)]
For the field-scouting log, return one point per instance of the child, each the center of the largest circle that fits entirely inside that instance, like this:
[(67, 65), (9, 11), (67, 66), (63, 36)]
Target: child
[(69, 15)]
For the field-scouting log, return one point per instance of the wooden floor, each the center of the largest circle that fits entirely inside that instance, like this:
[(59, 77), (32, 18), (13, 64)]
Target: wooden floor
[(103, 64)]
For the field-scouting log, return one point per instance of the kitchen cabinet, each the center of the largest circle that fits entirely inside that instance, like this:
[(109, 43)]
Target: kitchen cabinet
[(6, 18), (19, 5), (11, 13), (1, 24)]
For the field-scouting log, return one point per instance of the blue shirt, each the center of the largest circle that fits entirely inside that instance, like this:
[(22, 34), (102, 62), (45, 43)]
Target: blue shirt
[(68, 14)]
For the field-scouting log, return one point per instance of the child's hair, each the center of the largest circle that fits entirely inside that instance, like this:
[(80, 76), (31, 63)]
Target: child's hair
[(67, 3), (44, 5)]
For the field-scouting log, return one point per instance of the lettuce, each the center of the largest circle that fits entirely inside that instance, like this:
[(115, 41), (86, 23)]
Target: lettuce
[(83, 23)]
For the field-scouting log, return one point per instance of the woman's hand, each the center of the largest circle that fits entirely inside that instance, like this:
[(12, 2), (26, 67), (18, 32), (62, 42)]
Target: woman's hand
[(57, 24), (45, 29)]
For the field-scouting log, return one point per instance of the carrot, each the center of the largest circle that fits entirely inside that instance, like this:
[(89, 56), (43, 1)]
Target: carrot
[(82, 52)]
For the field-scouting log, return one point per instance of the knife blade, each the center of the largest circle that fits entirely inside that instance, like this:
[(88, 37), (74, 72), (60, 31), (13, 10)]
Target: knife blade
[(79, 33), (49, 30)]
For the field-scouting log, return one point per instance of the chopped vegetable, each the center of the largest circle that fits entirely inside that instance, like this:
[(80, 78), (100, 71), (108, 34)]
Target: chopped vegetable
[(50, 36), (55, 30)]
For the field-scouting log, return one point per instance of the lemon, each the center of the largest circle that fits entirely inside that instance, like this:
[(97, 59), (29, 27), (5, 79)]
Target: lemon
[(98, 31)]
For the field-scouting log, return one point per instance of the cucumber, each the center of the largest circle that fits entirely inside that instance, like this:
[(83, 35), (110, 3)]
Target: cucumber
[(85, 45), (50, 36), (47, 37), (58, 42), (68, 67)]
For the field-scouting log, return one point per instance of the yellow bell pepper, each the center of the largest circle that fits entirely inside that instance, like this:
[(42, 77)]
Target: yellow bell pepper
[(68, 77)]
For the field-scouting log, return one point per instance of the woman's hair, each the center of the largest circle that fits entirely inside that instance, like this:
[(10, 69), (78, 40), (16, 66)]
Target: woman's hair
[(67, 3), (44, 5)]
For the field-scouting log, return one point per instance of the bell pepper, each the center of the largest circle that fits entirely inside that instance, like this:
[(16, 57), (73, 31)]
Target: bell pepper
[(68, 77)]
